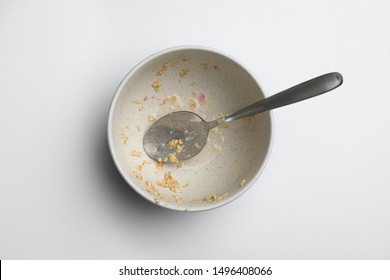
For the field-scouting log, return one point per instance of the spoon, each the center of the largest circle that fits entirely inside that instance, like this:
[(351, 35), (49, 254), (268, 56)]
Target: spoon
[(182, 135)]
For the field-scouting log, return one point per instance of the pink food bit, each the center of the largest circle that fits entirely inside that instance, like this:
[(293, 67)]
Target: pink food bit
[(145, 98), (202, 98), (164, 100)]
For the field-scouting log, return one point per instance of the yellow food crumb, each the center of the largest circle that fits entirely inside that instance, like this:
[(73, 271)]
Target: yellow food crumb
[(169, 182), (138, 175), (137, 101), (138, 127), (124, 137), (179, 148), (175, 65), (135, 153), (156, 85), (146, 161), (213, 197), (183, 73), (159, 165), (224, 125), (197, 145), (248, 120), (152, 189), (173, 158), (242, 182), (173, 143), (176, 143), (140, 108), (139, 167), (205, 66), (160, 70), (192, 104), (151, 118)]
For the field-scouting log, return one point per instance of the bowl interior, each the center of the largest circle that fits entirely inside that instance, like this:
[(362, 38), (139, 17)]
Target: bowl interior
[(212, 85)]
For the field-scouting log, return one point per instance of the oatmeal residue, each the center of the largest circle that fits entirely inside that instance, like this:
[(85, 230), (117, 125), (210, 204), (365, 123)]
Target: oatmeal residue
[(156, 85), (192, 104), (153, 106), (123, 137), (177, 144), (160, 70), (173, 158), (159, 165), (213, 197), (183, 73), (151, 118), (169, 182), (224, 125), (135, 153), (152, 189), (137, 101), (138, 175)]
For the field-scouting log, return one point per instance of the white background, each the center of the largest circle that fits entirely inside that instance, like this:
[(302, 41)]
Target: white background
[(324, 194)]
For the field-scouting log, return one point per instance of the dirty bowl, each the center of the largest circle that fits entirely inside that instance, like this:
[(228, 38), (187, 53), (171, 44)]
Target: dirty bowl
[(211, 84)]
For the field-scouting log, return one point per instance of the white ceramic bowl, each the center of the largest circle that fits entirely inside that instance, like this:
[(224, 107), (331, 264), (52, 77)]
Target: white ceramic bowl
[(211, 84)]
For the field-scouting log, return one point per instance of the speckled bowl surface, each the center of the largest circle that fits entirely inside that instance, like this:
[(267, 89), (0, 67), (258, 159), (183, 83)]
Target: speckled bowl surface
[(211, 84)]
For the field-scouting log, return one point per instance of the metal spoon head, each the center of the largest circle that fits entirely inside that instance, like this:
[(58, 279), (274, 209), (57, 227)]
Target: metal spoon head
[(176, 137)]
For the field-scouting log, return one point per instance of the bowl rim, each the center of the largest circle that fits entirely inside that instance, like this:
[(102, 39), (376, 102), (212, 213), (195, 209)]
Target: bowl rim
[(110, 133)]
